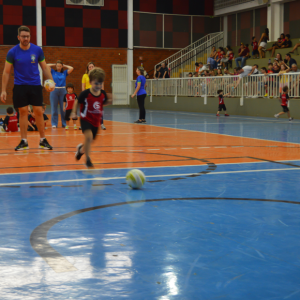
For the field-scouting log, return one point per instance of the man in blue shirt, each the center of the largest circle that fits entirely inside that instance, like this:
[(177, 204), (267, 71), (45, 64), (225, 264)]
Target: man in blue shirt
[(25, 58)]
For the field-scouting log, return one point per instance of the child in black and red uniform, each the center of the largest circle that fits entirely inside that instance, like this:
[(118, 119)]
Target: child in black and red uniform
[(284, 102), (31, 119), (91, 110), (69, 101), (255, 47), (10, 123), (221, 103)]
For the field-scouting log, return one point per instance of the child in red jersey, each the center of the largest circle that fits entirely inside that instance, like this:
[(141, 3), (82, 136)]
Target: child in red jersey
[(284, 102), (31, 119), (69, 101), (91, 110), (221, 103), (10, 123)]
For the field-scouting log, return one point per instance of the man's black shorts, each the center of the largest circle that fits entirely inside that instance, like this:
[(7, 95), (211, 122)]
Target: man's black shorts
[(222, 106), (285, 108), (23, 95), (67, 115), (88, 126)]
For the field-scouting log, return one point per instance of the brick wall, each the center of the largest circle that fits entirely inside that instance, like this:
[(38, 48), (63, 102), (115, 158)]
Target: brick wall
[(77, 58), (151, 57)]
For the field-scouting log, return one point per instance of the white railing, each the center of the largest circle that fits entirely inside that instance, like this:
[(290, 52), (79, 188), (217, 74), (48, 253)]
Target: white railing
[(185, 59), (255, 86), (219, 4)]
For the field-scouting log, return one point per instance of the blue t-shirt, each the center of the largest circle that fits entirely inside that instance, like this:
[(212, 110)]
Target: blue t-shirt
[(26, 62), (59, 78), (141, 79)]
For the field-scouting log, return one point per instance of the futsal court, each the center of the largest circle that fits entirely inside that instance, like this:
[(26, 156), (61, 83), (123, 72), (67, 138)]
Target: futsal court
[(218, 217)]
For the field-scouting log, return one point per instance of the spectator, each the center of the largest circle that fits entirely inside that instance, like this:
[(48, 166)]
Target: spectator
[(164, 71), (255, 47), (286, 43), (227, 59), (276, 68), (279, 59), (219, 72), (263, 43), (201, 69), (197, 67), (243, 72), (290, 60), (211, 60), (296, 47), (220, 56), (278, 43), (243, 56), (294, 69), (157, 73), (283, 81), (264, 82)]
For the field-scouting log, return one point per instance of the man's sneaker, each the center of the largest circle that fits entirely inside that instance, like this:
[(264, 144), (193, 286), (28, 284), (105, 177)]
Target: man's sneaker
[(138, 121), (88, 163), (78, 154), (291, 119), (144, 121), (103, 127), (45, 145), (217, 115), (67, 127), (79, 128), (75, 127), (276, 116), (226, 115), (22, 146)]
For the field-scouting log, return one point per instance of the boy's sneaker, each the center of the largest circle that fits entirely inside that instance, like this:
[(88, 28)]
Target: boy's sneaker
[(22, 146), (291, 119), (217, 115), (226, 115), (266, 95), (276, 116), (67, 127), (103, 127), (78, 154), (75, 127), (45, 145), (53, 126), (88, 163)]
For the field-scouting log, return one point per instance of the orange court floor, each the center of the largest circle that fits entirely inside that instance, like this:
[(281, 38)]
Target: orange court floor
[(125, 145)]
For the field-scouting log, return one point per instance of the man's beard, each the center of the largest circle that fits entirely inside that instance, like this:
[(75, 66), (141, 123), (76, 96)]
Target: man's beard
[(25, 43)]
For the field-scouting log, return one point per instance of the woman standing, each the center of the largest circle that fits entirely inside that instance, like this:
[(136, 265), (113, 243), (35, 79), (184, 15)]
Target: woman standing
[(57, 96), (141, 94), (211, 60), (263, 43), (86, 84)]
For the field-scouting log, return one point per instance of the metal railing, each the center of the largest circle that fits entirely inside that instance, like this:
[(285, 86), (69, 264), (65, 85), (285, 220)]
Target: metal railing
[(219, 4), (185, 59), (255, 86)]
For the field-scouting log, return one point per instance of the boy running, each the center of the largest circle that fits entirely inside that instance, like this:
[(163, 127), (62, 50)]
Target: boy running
[(91, 110), (221, 103), (284, 102), (69, 100)]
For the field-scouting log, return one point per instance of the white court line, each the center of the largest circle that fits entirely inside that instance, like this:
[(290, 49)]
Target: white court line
[(170, 149), (153, 149), (203, 147), (149, 176), (186, 148), (221, 147), (141, 167)]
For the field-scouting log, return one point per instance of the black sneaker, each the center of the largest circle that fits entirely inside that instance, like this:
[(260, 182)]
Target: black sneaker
[(138, 121), (78, 154), (22, 146), (144, 121), (88, 163), (45, 145), (291, 119)]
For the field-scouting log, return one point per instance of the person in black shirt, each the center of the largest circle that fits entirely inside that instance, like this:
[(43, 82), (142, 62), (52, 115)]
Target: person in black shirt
[(157, 73), (290, 60), (164, 72), (287, 43)]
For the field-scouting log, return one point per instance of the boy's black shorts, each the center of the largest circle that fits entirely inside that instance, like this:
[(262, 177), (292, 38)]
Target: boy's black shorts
[(23, 95), (255, 52), (88, 126), (285, 108), (222, 106), (67, 115)]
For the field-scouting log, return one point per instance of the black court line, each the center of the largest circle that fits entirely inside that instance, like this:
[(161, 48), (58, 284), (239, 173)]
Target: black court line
[(275, 162), (40, 244)]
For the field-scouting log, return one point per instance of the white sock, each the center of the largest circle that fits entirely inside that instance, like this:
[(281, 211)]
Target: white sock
[(25, 140)]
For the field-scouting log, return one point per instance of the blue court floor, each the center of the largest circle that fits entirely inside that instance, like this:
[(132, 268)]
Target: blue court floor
[(231, 233)]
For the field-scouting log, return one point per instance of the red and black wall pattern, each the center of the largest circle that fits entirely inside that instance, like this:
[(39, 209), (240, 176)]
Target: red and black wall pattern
[(67, 25), (292, 19), (186, 7), (243, 26)]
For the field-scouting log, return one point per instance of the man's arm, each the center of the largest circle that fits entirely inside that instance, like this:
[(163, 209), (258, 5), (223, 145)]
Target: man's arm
[(46, 70), (5, 78), (253, 68)]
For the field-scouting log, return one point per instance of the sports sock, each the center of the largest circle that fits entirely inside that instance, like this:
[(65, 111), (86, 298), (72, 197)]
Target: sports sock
[(25, 140)]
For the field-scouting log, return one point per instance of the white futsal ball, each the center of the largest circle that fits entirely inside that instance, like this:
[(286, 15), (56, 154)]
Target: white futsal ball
[(49, 85), (135, 179)]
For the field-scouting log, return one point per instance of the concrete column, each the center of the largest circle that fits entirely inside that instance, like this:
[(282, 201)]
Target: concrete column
[(225, 30), (130, 47), (275, 20)]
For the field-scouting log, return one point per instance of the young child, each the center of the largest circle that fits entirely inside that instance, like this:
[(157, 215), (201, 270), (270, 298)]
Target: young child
[(284, 102), (44, 115), (69, 100), (91, 110), (10, 123), (31, 120), (221, 103), (255, 48)]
